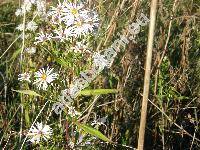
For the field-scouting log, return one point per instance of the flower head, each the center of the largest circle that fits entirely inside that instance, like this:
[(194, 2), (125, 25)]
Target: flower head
[(42, 37), (26, 7), (24, 77), (31, 26), (41, 6), (99, 122), (30, 50), (72, 112), (20, 27), (71, 12), (19, 12), (80, 28), (44, 77), (56, 13), (39, 132)]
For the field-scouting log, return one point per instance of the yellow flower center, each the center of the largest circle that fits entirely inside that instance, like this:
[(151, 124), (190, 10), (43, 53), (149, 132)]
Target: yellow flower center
[(74, 11), (44, 76), (79, 23)]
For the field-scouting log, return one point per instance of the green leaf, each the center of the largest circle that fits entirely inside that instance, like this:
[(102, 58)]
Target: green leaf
[(62, 62), (28, 92), (93, 132), (27, 118), (98, 91), (182, 97)]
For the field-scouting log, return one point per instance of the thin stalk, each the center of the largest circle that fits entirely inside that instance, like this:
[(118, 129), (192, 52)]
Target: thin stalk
[(147, 75), (21, 67)]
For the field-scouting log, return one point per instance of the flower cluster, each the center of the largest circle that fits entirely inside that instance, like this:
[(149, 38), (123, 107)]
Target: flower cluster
[(30, 26), (27, 6), (43, 77), (100, 62), (69, 20)]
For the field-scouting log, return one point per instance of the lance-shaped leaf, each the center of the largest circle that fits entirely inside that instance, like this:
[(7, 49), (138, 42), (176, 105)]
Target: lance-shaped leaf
[(98, 92), (93, 132), (27, 92)]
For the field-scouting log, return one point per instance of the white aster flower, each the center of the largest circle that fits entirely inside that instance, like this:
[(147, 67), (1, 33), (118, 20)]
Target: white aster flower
[(19, 12), (85, 24), (20, 27), (31, 26), (43, 37), (39, 132), (72, 112), (30, 50), (99, 60), (96, 123), (40, 38), (44, 77), (56, 13), (80, 28), (99, 122), (26, 6), (71, 12), (24, 77), (72, 7), (41, 7)]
